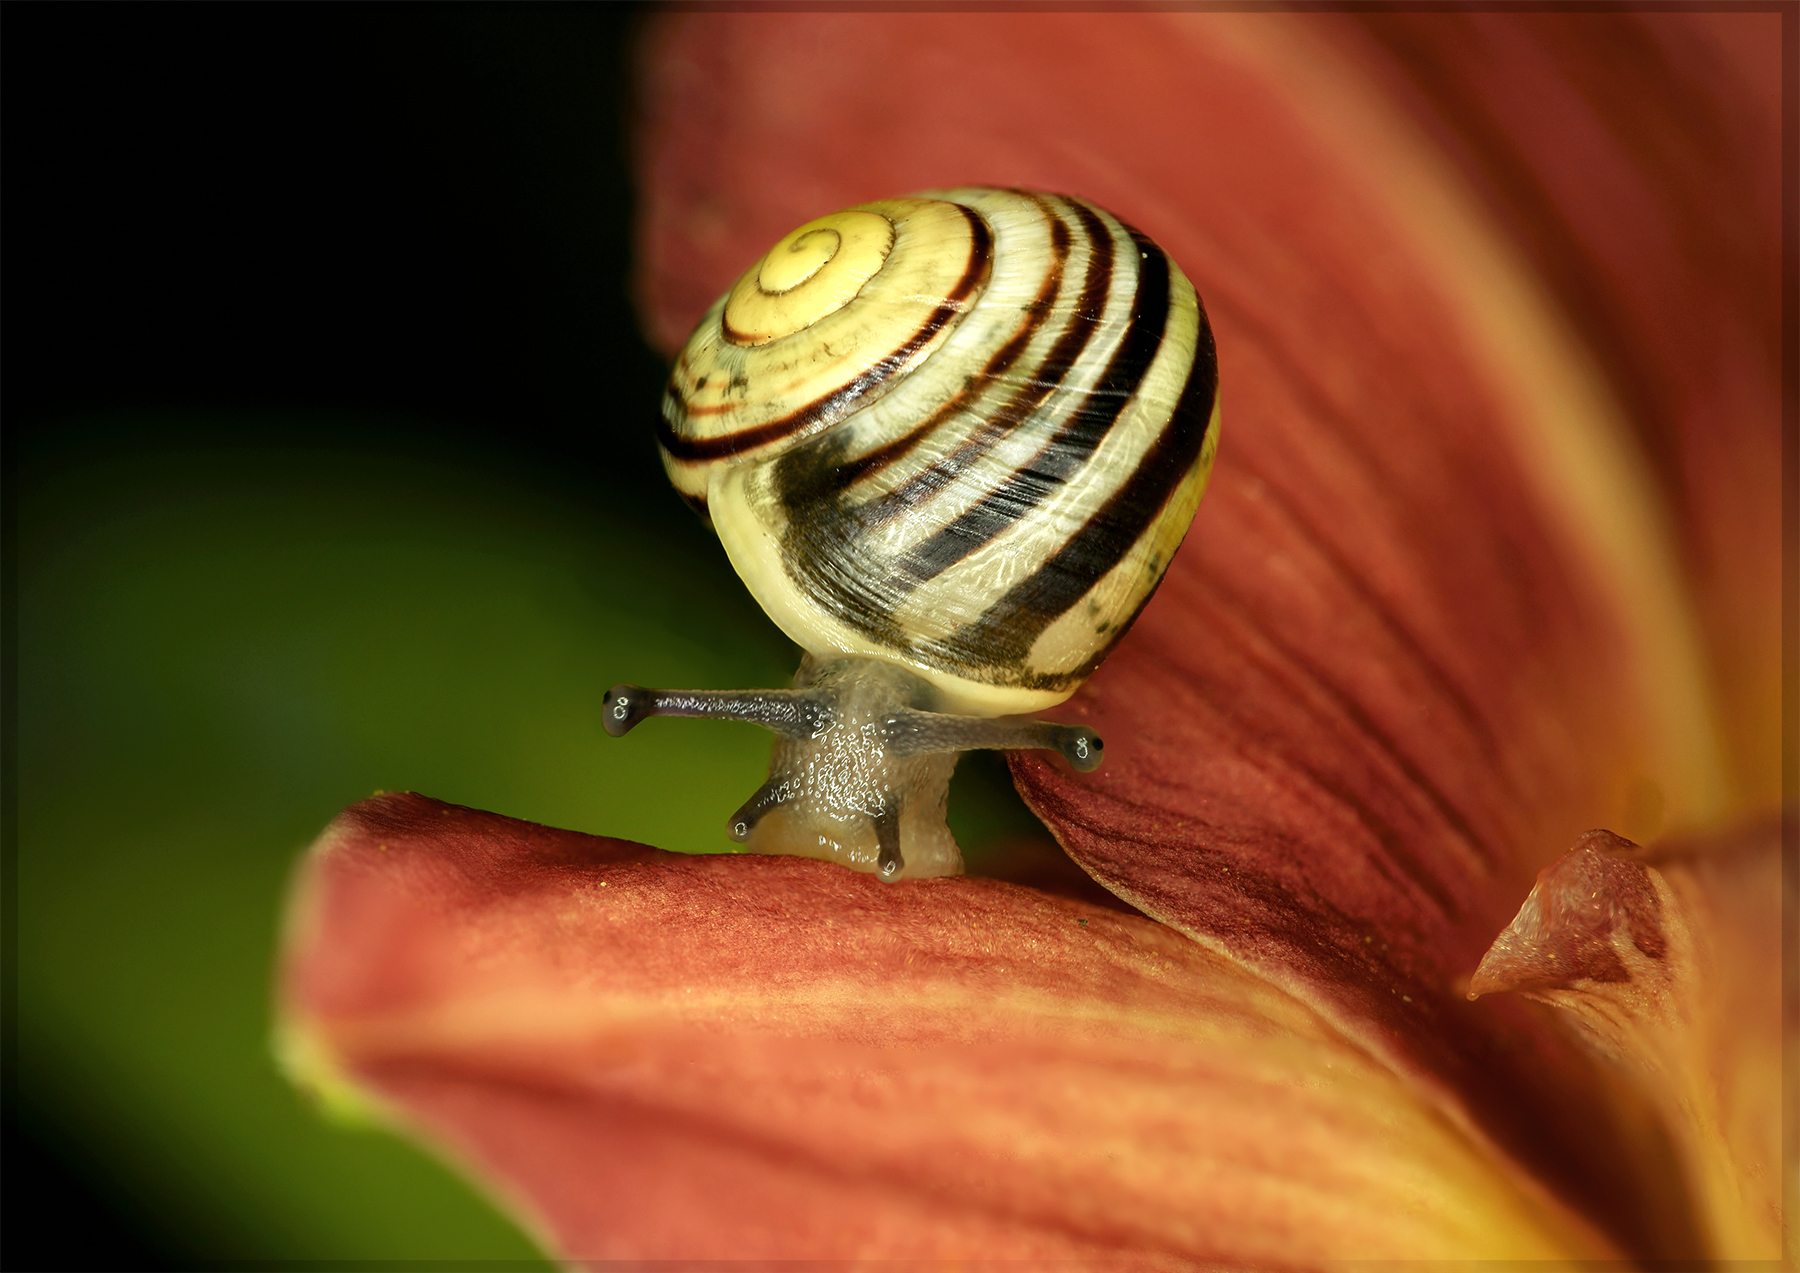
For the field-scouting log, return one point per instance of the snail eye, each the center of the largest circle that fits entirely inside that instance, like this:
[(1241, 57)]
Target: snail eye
[(951, 444)]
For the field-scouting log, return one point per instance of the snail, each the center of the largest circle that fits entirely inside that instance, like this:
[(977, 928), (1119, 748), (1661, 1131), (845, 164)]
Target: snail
[(950, 443)]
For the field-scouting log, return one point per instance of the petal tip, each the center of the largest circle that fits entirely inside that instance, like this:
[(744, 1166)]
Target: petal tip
[(308, 1062), (1592, 916)]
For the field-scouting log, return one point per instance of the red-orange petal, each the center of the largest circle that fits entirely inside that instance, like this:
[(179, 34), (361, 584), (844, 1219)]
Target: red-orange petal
[(1431, 621), (1636, 161), (753, 1058), (1668, 958)]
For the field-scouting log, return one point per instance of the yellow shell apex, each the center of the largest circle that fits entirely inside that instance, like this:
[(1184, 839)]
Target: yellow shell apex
[(814, 271)]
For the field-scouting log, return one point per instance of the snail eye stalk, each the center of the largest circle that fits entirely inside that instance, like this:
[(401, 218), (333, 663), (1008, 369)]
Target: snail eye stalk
[(950, 443), (790, 713), (911, 733)]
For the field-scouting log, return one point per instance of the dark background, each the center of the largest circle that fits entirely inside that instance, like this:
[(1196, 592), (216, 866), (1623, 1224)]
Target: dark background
[(328, 468), (236, 230), (417, 210)]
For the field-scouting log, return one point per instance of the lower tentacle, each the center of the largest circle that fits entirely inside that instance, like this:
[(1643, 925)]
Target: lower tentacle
[(887, 836), (772, 793)]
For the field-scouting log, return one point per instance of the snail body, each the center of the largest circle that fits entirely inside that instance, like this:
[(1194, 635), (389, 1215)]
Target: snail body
[(955, 438)]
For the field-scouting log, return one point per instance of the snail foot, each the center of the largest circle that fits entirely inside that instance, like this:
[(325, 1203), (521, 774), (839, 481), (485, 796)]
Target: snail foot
[(861, 764)]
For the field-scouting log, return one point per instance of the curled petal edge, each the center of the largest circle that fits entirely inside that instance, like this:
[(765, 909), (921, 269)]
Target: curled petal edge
[(1667, 960), (660, 1056)]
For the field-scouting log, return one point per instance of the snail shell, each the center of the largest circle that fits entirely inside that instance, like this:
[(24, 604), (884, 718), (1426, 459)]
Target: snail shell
[(963, 433), (950, 443)]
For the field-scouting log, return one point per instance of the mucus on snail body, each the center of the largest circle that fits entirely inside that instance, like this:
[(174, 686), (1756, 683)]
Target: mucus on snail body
[(950, 443)]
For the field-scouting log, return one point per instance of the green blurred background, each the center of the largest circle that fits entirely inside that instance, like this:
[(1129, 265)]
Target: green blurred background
[(329, 468)]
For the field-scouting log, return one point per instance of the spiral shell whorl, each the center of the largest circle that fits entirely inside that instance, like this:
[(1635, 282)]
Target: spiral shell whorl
[(811, 274), (969, 445), (807, 357)]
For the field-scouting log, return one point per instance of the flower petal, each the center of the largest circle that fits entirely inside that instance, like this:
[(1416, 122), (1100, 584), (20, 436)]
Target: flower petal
[(1636, 160), (1667, 958), (771, 1058), (1432, 619)]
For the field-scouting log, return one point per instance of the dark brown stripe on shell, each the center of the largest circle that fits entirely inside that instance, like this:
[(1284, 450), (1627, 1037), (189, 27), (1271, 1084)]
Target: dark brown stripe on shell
[(804, 483), (840, 402), (1064, 455), (827, 549), (1047, 377), (1012, 625)]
